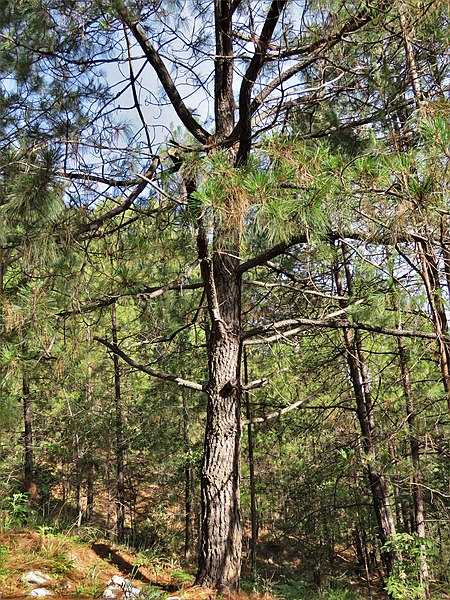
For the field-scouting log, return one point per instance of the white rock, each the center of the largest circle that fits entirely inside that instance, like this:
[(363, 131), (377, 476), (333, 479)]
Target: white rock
[(40, 592), (117, 580), (130, 592), (113, 592), (36, 578)]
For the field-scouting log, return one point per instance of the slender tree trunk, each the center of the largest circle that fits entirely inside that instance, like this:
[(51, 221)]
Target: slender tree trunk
[(409, 50), (444, 241), (431, 279), (90, 491), (28, 471), (2, 274), (187, 482), (417, 493), (251, 465), (120, 485), (79, 477), (364, 409), (363, 556), (78, 471), (399, 512), (2, 325)]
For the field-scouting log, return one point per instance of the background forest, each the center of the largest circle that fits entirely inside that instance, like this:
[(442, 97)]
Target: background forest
[(225, 283)]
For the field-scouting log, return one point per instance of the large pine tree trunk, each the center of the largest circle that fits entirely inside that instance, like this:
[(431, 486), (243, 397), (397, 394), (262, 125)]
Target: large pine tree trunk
[(221, 538)]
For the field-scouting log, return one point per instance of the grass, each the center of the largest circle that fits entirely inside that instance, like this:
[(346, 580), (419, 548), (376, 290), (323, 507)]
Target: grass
[(297, 589)]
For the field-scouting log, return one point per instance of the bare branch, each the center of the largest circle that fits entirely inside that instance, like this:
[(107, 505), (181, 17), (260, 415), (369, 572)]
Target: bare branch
[(258, 383), (277, 413), (313, 52), (192, 385)]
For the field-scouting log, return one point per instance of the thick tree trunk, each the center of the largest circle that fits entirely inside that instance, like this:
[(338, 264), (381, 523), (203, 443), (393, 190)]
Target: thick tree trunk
[(120, 451), (221, 539)]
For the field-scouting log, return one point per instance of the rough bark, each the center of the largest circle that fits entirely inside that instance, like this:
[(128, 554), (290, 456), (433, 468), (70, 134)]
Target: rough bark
[(409, 50), (221, 540)]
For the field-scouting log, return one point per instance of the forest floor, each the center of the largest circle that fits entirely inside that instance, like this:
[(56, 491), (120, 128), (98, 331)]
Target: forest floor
[(82, 569)]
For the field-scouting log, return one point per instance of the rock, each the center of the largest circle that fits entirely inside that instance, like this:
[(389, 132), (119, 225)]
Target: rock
[(117, 580), (119, 587), (36, 578), (40, 592), (113, 592)]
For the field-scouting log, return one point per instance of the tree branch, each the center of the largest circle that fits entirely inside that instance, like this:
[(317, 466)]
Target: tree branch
[(313, 52), (258, 383), (270, 253), (110, 214), (166, 80), (249, 79), (147, 293), (302, 324), (157, 374), (277, 413)]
